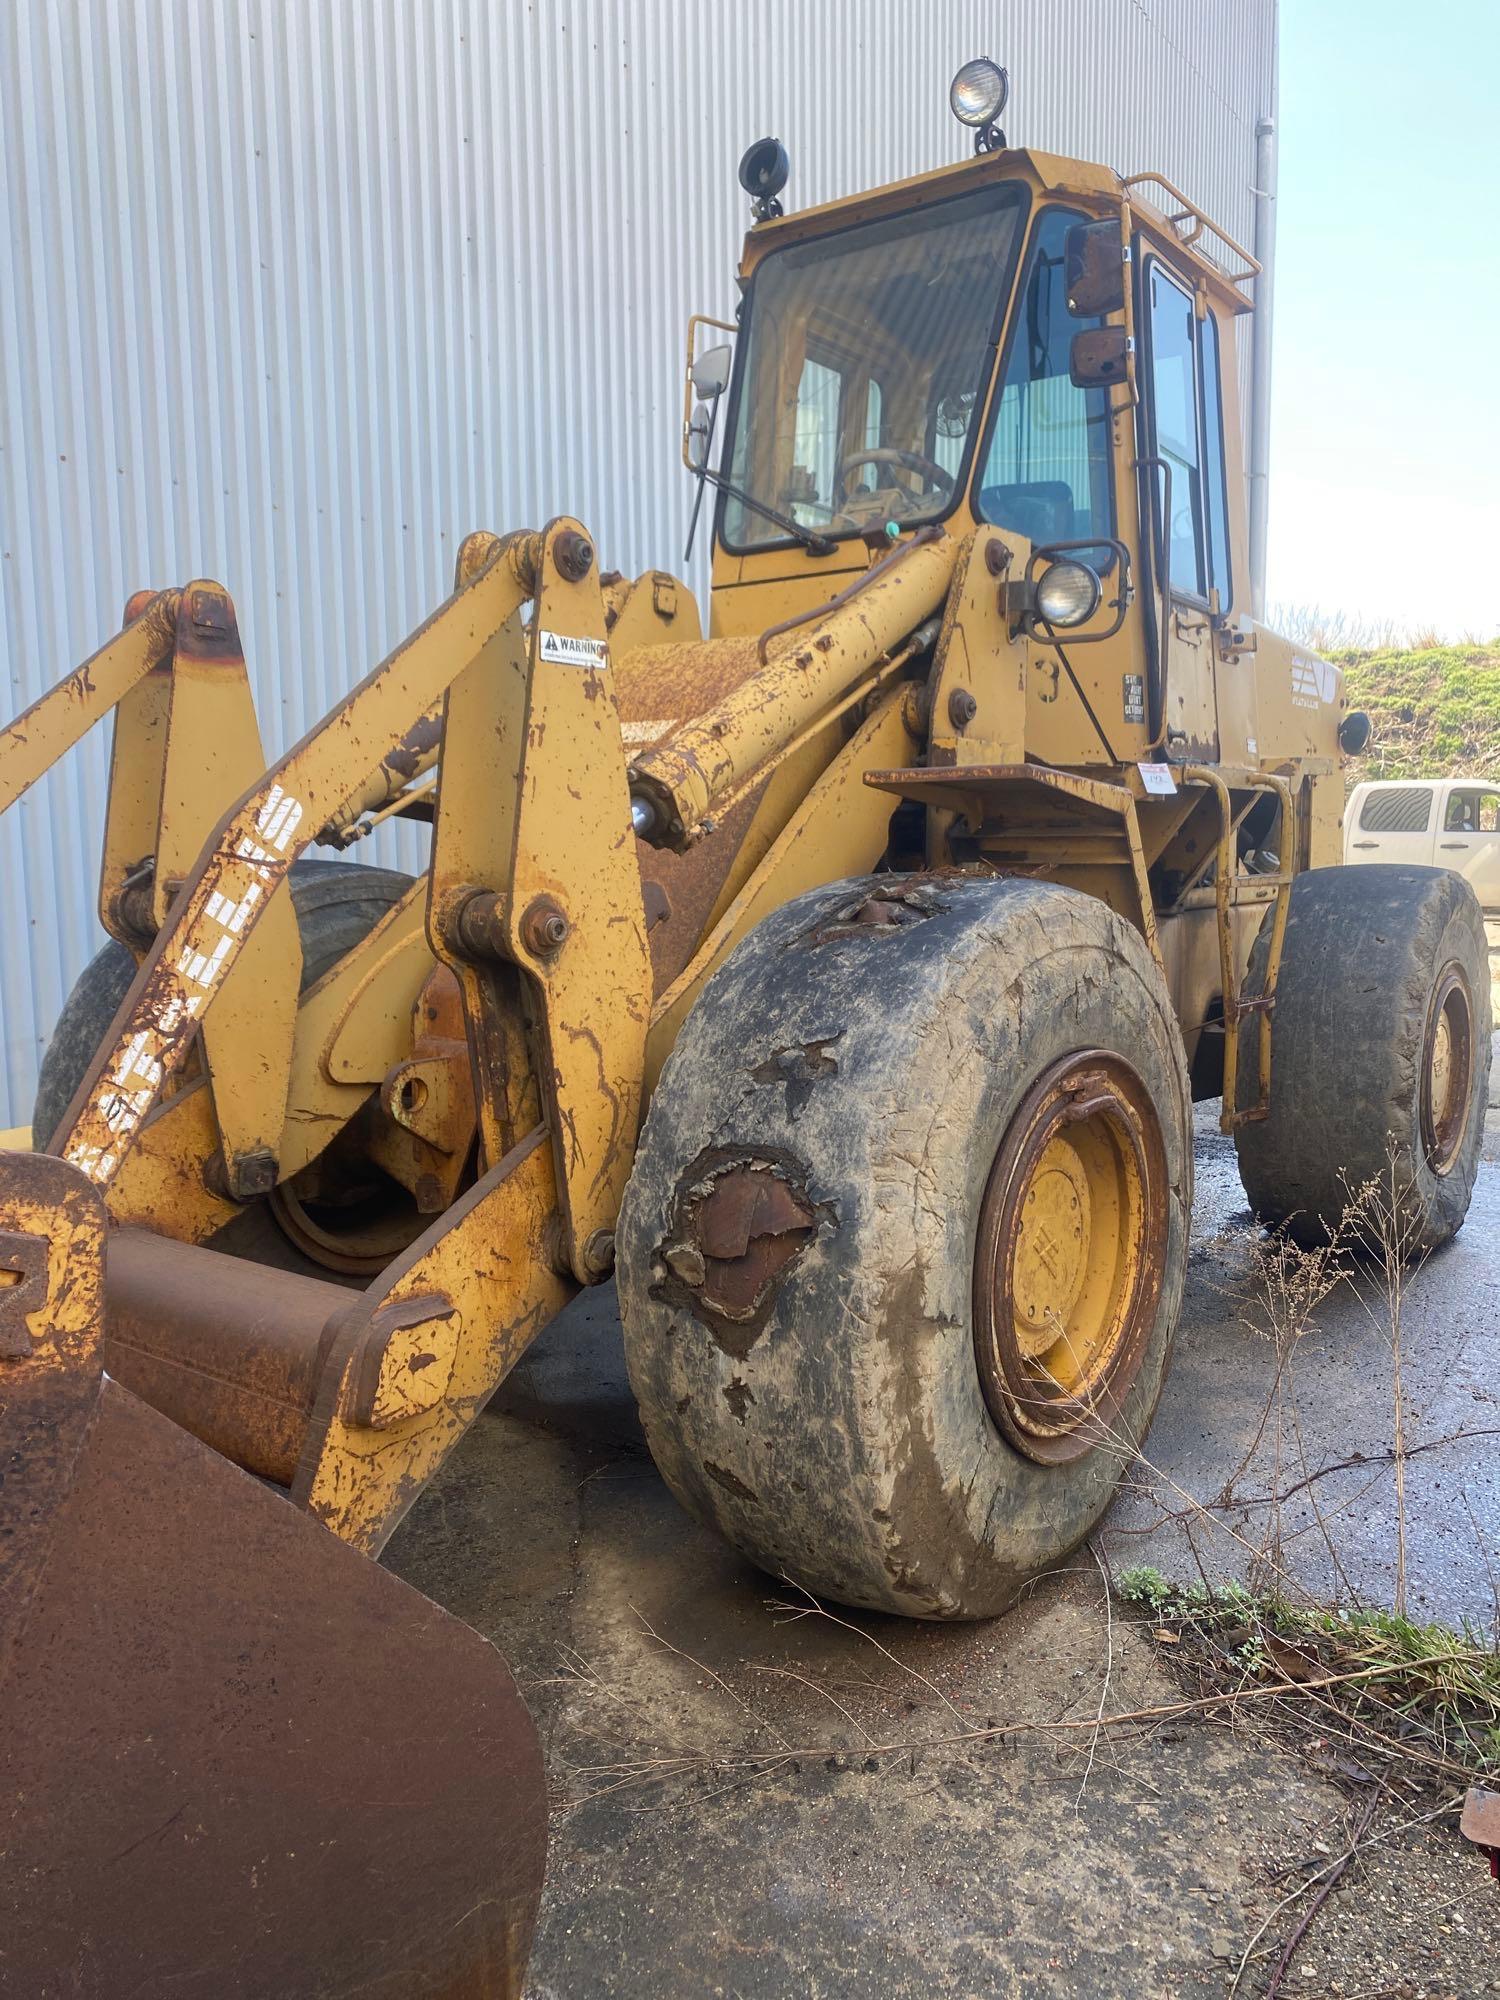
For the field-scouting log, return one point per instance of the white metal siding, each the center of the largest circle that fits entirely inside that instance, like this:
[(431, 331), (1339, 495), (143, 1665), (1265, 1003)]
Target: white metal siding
[(294, 293)]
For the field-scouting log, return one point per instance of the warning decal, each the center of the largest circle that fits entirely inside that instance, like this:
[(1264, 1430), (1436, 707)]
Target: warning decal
[(564, 651)]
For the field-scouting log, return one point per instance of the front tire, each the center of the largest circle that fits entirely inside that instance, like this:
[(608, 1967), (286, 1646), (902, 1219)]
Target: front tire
[(903, 1249)]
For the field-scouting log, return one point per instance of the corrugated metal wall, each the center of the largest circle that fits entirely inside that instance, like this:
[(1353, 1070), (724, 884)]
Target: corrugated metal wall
[(297, 292)]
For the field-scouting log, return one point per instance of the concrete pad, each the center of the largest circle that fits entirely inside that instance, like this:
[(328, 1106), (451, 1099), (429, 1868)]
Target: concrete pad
[(750, 1802), (1339, 1536)]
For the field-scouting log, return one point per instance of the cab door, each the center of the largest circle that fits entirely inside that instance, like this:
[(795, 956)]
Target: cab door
[(1469, 840), (1183, 463)]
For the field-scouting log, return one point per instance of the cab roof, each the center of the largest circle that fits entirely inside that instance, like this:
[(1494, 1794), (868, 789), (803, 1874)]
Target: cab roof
[(1181, 227)]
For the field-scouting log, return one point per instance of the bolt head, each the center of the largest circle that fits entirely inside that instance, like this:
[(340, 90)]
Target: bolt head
[(599, 1253), (544, 927)]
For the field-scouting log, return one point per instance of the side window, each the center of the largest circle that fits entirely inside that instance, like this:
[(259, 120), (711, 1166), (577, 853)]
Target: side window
[(1046, 467), (1215, 482), (1472, 812), (1396, 809), (1188, 424), (1174, 412)]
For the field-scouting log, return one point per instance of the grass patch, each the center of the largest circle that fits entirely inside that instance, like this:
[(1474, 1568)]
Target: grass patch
[(1436, 710), (1400, 1690)]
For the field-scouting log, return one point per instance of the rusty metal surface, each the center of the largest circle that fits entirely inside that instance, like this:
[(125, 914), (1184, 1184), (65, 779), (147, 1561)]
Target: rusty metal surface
[(241, 1760), (1053, 1420), (228, 1349), (421, 1352), (741, 1223), (842, 597), (416, 753), (51, 1284), (238, 1759), (707, 757), (658, 687)]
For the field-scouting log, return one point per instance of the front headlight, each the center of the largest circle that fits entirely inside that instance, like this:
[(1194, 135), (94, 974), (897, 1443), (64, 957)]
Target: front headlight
[(977, 94), (1067, 593)]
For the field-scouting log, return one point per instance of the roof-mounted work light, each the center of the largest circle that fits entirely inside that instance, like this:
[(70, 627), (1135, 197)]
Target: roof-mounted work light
[(763, 172), (977, 96)]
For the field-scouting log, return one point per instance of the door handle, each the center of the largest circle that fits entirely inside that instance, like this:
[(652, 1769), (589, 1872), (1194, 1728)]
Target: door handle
[(1366, 843), (1456, 845)]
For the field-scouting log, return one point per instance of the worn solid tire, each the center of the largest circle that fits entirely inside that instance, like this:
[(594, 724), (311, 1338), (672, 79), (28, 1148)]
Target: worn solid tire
[(850, 1447), (1365, 950), (338, 904)]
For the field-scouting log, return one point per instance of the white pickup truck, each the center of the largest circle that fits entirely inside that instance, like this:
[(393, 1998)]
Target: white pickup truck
[(1444, 822)]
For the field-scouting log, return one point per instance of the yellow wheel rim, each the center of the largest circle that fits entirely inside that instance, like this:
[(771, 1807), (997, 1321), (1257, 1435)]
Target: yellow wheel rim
[(1069, 1259), (1447, 1069)]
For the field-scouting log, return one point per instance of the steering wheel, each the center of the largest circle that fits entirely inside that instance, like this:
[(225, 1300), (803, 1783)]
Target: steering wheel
[(930, 472)]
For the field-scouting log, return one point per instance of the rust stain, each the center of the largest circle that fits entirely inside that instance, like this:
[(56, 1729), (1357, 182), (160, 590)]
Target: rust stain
[(740, 1228)]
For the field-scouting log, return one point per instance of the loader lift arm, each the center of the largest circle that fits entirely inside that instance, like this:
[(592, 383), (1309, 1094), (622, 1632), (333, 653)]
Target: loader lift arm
[(534, 900)]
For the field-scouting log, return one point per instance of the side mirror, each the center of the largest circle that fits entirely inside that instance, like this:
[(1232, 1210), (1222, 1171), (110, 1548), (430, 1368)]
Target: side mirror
[(1094, 269), (700, 431), (710, 372), (1099, 357)]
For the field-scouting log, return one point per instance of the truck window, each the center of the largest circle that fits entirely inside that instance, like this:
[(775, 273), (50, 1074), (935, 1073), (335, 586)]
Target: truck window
[(1046, 467), (1476, 811), (1396, 809)]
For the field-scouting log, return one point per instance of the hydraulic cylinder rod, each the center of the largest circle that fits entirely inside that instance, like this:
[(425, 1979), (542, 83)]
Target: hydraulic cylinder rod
[(674, 785)]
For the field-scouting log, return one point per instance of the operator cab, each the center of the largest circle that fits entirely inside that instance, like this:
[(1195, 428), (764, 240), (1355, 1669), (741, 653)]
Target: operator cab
[(1019, 342)]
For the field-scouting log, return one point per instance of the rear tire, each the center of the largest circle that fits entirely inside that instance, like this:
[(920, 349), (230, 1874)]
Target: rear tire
[(338, 904), (1380, 1053), (832, 1282)]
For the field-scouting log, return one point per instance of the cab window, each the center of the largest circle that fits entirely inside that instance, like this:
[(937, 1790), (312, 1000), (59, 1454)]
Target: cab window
[(1474, 811), (863, 362), (1187, 435), (1046, 466)]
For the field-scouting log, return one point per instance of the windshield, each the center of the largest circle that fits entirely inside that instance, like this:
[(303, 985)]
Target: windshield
[(866, 359)]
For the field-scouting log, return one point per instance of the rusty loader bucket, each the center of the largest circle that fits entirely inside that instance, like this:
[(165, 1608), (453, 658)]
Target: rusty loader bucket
[(238, 1757)]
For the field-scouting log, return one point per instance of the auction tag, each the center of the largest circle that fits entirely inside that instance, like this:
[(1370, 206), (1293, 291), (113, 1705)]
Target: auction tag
[(1158, 778), (564, 651)]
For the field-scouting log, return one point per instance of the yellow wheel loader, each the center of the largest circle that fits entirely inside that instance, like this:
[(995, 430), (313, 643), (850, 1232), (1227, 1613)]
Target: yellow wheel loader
[(840, 979)]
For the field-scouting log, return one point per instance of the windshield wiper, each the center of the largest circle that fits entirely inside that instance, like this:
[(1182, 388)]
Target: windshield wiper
[(817, 545)]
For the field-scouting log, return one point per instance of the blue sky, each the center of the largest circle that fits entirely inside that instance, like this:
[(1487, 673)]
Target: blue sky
[(1385, 468)]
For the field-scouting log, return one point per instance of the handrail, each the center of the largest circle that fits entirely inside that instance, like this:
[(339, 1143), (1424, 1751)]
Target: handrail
[(1200, 221), (1235, 1008)]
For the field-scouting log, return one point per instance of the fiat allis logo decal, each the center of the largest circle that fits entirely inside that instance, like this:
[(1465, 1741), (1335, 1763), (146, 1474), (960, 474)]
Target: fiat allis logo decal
[(1315, 684)]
